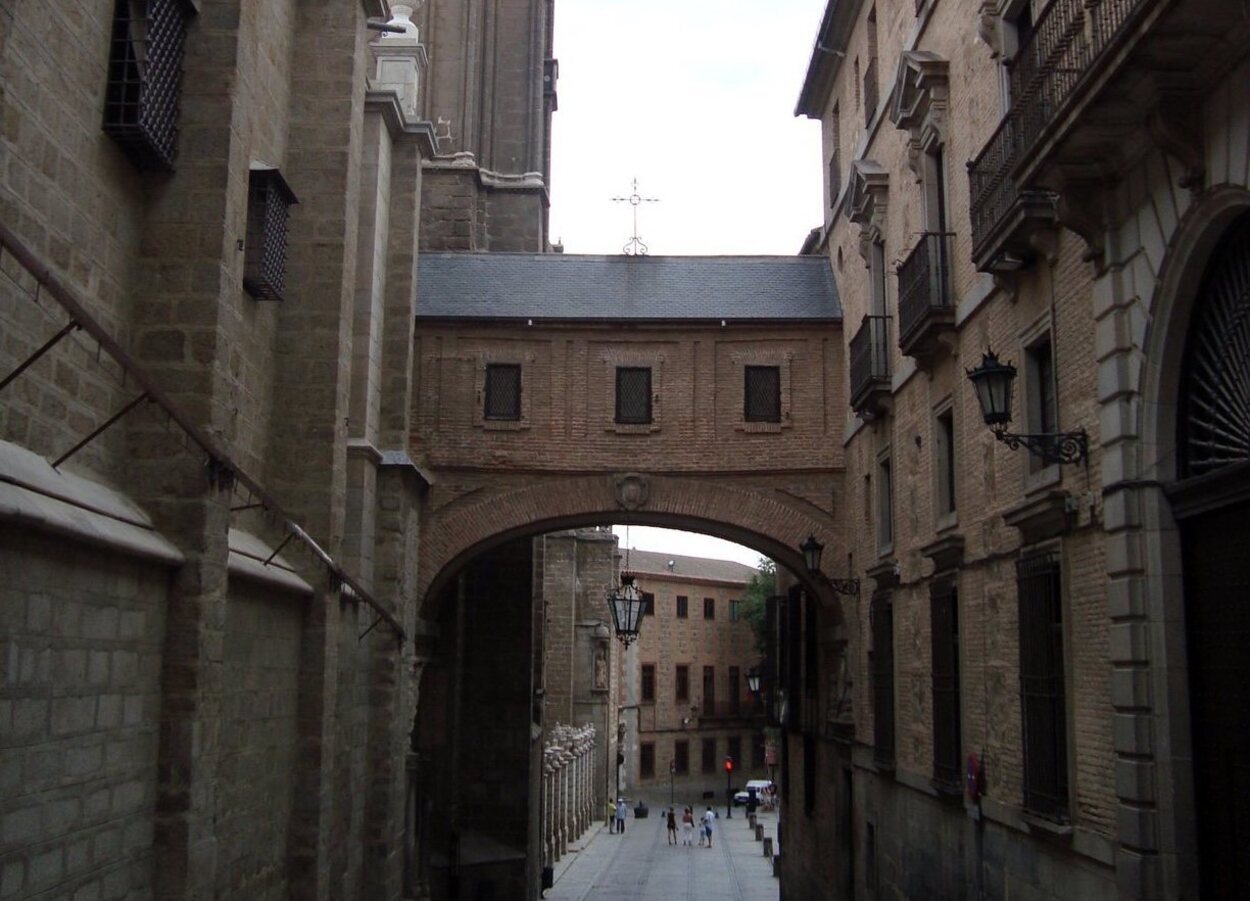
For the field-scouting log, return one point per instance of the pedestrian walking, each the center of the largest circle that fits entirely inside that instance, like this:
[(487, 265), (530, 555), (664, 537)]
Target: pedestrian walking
[(672, 827), (611, 816), (708, 819), (687, 827), (620, 815)]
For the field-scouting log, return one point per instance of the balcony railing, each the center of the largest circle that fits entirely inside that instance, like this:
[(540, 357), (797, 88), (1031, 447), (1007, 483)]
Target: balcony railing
[(924, 297), (871, 91), (1067, 44), (744, 709), (870, 364)]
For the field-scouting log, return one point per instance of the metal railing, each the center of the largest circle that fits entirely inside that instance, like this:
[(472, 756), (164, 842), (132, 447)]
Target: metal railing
[(871, 91), (923, 284), (1064, 47), (870, 356)]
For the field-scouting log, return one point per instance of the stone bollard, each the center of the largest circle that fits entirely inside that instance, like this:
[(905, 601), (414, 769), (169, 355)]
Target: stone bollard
[(751, 821), (759, 832), (768, 846)]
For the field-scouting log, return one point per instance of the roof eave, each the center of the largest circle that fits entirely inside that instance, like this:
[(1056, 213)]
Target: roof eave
[(827, 54)]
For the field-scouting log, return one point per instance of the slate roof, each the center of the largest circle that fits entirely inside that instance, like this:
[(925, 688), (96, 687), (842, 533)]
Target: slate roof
[(644, 563), (556, 286)]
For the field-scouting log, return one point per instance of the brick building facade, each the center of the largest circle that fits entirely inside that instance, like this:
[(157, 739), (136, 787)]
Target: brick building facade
[(688, 673)]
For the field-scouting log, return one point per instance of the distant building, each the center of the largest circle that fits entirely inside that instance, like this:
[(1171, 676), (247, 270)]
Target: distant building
[(687, 705)]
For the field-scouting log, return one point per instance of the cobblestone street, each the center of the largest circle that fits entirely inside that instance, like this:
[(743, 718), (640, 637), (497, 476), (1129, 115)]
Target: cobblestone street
[(642, 865)]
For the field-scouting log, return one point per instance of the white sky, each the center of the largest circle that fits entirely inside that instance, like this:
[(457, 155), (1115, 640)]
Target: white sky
[(695, 99)]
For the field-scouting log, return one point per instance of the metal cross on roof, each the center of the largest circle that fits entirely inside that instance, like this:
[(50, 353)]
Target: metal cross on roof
[(634, 246)]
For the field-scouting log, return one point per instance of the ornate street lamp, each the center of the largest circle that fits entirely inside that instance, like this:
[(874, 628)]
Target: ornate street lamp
[(992, 381), (626, 604), (812, 550), (753, 681)]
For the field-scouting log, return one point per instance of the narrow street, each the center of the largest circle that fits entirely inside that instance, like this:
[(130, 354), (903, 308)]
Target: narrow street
[(641, 864)]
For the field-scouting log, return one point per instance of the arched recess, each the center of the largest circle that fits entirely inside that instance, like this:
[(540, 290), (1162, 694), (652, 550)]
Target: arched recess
[(754, 518), (1171, 501)]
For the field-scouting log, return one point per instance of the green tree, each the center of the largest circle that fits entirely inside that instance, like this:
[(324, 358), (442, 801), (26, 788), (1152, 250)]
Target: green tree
[(762, 586)]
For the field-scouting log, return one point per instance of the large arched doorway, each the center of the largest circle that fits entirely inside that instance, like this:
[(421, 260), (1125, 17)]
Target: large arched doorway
[(1211, 503)]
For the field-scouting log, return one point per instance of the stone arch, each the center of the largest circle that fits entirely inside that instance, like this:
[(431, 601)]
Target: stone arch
[(766, 520), (1190, 248)]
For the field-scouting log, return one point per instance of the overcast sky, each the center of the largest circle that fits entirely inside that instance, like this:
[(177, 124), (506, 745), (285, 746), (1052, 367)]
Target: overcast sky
[(695, 99)]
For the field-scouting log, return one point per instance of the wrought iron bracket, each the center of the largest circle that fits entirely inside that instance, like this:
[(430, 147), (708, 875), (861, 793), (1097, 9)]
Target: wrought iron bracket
[(844, 586), (1052, 447)]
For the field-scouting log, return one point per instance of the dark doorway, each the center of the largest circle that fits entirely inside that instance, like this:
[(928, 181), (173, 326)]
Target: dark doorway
[(1217, 601)]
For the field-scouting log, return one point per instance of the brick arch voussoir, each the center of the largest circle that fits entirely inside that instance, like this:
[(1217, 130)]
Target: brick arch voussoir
[(752, 516)]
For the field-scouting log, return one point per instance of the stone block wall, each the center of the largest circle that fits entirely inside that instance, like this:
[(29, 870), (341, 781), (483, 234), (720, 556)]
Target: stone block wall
[(79, 714)]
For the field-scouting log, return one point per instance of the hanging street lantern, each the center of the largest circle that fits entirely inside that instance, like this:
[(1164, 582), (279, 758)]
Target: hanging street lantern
[(812, 549), (753, 680), (993, 381), (626, 604)]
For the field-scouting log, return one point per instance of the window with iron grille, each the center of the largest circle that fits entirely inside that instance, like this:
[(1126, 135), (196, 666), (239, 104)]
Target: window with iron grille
[(503, 391), (633, 395), (648, 603), (264, 258), (885, 506), (1044, 709), (646, 760), (683, 606), (681, 757), (944, 451), (682, 692), (734, 749), (947, 747), (758, 751), (1043, 413), (883, 679), (709, 755), (762, 394), (144, 76), (734, 611), (709, 691), (735, 690), (648, 683), (709, 608)]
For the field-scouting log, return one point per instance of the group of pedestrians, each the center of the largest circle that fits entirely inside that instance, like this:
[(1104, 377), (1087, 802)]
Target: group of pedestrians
[(687, 827)]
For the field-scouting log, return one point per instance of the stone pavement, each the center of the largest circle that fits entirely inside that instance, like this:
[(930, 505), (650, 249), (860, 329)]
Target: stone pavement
[(642, 865)]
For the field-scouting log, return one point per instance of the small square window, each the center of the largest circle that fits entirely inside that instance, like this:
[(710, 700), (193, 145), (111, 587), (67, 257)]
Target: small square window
[(709, 608), (264, 259), (762, 394), (633, 395), (683, 606), (503, 391)]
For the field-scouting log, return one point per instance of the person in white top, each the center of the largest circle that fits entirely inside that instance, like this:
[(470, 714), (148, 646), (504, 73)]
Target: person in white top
[(708, 819)]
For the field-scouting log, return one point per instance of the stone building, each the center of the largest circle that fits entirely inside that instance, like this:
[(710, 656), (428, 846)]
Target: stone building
[(689, 706), (1036, 179)]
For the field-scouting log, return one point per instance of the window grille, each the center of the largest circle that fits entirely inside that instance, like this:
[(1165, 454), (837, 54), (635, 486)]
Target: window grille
[(648, 682), (947, 748), (762, 396), (683, 682), (1041, 686), (264, 263), (646, 760), (709, 755), (709, 608), (681, 757), (648, 603), (144, 74), (633, 394), (734, 611), (503, 391), (883, 680), (709, 691), (683, 606), (735, 691), (734, 749)]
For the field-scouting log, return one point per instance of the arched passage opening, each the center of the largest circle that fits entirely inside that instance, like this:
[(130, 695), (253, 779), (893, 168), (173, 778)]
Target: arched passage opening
[(508, 654)]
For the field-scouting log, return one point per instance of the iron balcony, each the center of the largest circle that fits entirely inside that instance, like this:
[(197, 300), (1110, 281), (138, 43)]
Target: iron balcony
[(870, 366)]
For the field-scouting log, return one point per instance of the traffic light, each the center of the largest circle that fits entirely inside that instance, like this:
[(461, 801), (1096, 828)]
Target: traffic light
[(729, 764)]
